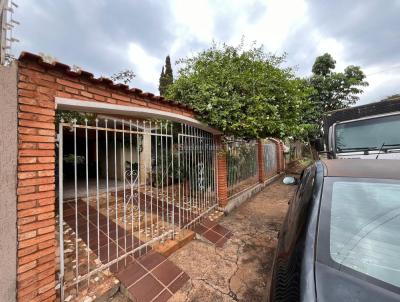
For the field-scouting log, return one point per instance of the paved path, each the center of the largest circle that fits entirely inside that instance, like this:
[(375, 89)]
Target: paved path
[(239, 271)]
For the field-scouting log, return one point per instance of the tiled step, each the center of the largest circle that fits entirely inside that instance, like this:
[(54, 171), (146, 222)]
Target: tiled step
[(213, 232), (151, 278)]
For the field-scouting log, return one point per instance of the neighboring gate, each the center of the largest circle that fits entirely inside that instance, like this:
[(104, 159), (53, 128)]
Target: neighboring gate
[(124, 186), (270, 159)]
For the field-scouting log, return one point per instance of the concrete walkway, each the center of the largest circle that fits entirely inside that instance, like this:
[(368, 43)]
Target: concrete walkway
[(240, 271)]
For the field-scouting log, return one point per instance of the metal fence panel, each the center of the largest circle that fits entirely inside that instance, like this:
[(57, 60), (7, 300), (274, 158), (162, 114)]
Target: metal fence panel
[(242, 164), (270, 159)]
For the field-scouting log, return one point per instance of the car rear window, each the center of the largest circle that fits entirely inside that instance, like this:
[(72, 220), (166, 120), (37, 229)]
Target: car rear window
[(365, 228)]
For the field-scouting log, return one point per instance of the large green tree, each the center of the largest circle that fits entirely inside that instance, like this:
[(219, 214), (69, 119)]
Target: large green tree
[(333, 90), (242, 92), (166, 76)]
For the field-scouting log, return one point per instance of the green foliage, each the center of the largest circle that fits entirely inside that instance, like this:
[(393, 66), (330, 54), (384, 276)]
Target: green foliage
[(70, 159), (323, 65), (332, 90), (124, 76), (242, 92), (166, 76), (70, 116)]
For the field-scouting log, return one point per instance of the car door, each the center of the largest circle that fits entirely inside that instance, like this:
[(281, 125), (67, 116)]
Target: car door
[(287, 266)]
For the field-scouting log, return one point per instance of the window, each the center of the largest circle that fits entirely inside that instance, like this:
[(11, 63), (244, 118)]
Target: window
[(364, 224), (368, 133)]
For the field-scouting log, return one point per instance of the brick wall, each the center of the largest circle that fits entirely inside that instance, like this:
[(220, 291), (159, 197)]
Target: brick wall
[(38, 85), (281, 157)]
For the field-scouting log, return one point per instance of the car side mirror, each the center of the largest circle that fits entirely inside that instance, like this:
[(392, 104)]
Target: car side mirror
[(290, 180)]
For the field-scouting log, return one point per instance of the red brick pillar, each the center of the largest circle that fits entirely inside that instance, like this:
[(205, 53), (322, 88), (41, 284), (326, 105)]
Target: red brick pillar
[(261, 171), (222, 172), (36, 267)]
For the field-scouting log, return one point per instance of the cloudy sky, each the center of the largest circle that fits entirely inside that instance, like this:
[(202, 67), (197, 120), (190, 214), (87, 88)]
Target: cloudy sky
[(105, 36)]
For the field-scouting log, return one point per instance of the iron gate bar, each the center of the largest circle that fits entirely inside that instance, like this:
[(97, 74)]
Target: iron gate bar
[(61, 209), (165, 199), (179, 178), (138, 168), (131, 176), (162, 178), (115, 184), (151, 190), (107, 196), (180, 207), (97, 185), (87, 196), (124, 184), (158, 193), (76, 207), (112, 129), (172, 191)]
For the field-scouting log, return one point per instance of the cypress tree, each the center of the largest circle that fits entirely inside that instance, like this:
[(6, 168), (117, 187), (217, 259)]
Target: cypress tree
[(161, 86), (166, 77), (169, 77)]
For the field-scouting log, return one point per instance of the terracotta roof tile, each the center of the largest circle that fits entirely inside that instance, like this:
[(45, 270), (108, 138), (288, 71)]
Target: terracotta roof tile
[(30, 57)]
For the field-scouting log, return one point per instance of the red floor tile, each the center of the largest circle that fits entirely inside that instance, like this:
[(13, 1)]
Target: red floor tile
[(132, 273), (145, 289), (220, 229), (212, 236), (179, 282), (200, 229), (151, 260), (166, 272), (163, 297)]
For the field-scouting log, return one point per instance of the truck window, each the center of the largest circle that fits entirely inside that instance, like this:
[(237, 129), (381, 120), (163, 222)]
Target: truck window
[(368, 133)]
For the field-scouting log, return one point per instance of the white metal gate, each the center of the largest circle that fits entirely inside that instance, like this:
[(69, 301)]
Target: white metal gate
[(124, 186), (270, 160)]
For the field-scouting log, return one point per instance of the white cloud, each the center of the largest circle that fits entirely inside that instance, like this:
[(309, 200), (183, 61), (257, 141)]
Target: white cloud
[(103, 44), (146, 67), (383, 82), (193, 19), (273, 26), (333, 47)]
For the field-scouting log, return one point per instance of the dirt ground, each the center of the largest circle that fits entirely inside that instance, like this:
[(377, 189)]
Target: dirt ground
[(240, 271)]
